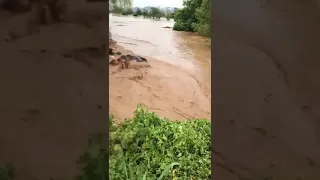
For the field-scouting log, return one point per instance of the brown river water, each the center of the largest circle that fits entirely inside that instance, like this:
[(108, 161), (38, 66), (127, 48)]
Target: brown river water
[(178, 84), (148, 37), (263, 127)]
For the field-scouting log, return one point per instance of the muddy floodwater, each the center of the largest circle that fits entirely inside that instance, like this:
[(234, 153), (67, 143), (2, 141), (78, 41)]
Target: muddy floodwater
[(178, 84), (150, 38)]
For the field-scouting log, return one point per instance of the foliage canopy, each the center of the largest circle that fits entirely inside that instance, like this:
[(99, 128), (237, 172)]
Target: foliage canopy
[(150, 147), (145, 147), (195, 16)]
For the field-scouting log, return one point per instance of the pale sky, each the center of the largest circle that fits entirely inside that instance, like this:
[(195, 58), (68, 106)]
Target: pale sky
[(156, 3)]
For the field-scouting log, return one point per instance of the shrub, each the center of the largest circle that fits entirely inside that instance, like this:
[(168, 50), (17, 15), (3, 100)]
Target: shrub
[(7, 172), (179, 26), (150, 147)]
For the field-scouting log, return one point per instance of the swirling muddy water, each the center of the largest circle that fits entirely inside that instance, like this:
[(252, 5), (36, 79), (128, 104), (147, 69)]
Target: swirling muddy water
[(149, 38)]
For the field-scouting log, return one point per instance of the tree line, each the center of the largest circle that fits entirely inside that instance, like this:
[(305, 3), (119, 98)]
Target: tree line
[(195, 16), (153, 12)]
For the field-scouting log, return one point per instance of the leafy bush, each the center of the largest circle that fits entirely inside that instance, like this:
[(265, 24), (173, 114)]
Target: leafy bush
[(155, 148), (146, 147), (195, 16), (7, 172), (149, 147), (180, 26), (203, 14)]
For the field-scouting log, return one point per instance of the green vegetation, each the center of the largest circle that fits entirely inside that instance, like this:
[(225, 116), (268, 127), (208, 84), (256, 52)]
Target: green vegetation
[(123, 4), (146, 147), (149, 147), (7, 172), (195, 16), (154, 12), (138, 12)]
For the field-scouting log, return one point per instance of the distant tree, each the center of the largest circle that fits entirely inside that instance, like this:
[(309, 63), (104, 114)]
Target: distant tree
[(174, 12), (138, 12), (127, 11), (145, 13), (117, 9), (172, 15), (156, 13), (121, 3), (168, 14)]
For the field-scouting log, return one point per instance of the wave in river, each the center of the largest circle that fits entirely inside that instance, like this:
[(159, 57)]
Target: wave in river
[(134, 39)]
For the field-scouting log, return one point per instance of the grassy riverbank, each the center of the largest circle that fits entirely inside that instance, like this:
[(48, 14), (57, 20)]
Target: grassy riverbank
[(146, 147), (150, 147)]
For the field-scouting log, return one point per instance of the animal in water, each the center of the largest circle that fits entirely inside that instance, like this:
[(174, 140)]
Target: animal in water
[(126, 64), (140, 59), (130, 57), (136, 58), (123, 57), (111, 52), (124, 60), (113, 61), (143, 59), (121, 60)]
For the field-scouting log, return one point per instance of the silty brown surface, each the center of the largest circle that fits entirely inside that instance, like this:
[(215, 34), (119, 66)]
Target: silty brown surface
[(266, 90), (164, 88), (182, 49), (53, 91)]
